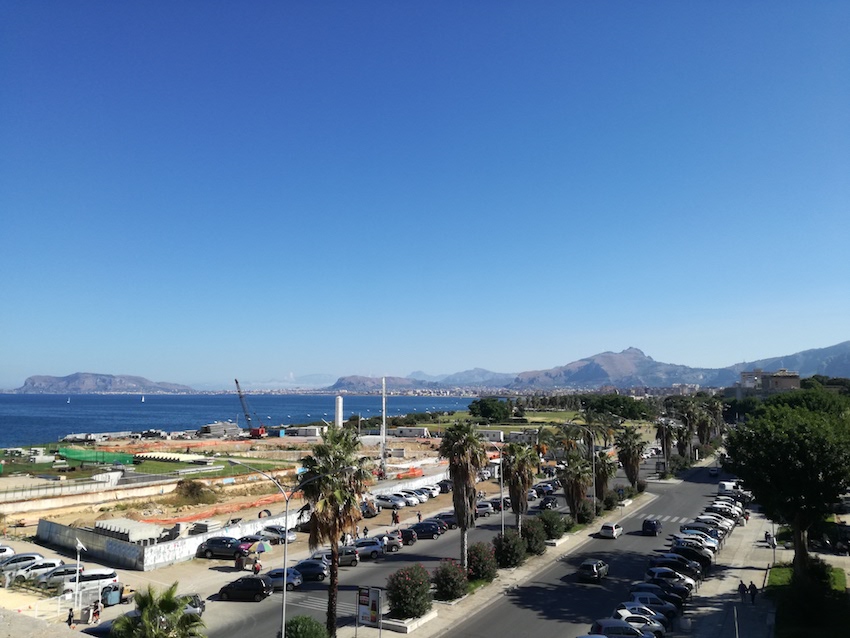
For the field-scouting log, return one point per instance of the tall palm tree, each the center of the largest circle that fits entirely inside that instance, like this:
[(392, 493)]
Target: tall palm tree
[(630, 447), (335, 479), (464, 450), (664, 434), (518, 461), (160, 616), (606, 469), (545, 440), (575, 477)]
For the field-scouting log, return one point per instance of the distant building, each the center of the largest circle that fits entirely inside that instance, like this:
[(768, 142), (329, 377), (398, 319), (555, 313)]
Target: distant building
[(759, 382)]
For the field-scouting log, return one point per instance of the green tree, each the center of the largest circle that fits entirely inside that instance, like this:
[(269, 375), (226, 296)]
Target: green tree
[(463, 448), (334, 481), (518, 462), (160, 615), (490, 408), (304, 627), (630, 447), (664, 433), (797, 463), (575, 477)]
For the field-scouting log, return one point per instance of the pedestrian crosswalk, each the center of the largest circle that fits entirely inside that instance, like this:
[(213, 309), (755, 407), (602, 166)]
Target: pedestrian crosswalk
[(320, 603), (664, 518)]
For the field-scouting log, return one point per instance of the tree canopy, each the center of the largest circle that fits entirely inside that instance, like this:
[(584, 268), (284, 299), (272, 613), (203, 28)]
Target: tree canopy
[(490, 408), (160, 615), (797, 464)]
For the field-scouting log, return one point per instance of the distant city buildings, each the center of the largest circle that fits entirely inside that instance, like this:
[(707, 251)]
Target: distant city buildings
[(758, 382)]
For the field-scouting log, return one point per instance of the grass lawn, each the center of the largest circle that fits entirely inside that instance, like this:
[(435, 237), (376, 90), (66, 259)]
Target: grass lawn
[(800, 616)]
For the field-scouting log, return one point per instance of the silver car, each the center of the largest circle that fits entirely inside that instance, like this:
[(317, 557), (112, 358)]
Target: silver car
[(19, 561), (36, 569), (58, 576)]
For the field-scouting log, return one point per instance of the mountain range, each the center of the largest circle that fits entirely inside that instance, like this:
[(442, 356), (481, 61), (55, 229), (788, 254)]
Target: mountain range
[(627, 369)]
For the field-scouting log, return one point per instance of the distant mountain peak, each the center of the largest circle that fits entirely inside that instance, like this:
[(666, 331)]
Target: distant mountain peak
[(94, 383)]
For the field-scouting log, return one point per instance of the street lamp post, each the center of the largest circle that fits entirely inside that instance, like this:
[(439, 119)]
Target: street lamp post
[(287, 498), (501, 487)]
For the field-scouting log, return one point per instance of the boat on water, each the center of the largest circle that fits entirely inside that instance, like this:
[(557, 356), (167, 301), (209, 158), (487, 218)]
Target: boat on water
[(143, 398)]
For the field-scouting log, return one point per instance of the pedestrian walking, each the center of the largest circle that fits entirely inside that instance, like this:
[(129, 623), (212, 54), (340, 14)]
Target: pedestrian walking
[(753, 591), (384, 543), (356, 531), (70, 619), (257, 567), (742, 589), (365, 531), (419, 516)]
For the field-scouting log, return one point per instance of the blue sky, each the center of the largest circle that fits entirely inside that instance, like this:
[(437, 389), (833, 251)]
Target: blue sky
[(198, 191)]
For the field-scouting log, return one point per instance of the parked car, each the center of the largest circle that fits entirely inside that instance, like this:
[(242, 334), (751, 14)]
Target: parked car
[(695, 555), (641, 623), (393, 543), (221, 547), (419, 496), (617, 627), (544, 489), (409, 499), (391, 501), (6, 551), (58, 576), (445, 486), (670, 575), (643, 610), (369, 509), (705, 538), (312, 569), (448, 518), (611, 530), (293, 578), (348, 556), (715, 520), (369, 547), (444, 527), (91, 580), (422, 493), (651, 527), (655, 603), (715, 532), (680, 590), (19, 561), (660, 592), (532, 495), (694, 543), (483, 508), (679, 563), (548, 503), (499, 502), (277, 533), (194, 604), (36, 569), (254, 588), (433, 490), (592, 570), (426, 530), (408, 536)]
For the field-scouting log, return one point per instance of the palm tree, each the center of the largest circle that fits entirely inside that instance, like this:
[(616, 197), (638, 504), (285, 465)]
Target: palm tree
[(575, 477), (630, 447), (335, 479), (518, 463), (464, 450), (606, 468), (664, 434), (161, 615)]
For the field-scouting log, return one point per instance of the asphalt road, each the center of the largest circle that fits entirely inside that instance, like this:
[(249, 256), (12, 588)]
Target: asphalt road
[(553, 604)]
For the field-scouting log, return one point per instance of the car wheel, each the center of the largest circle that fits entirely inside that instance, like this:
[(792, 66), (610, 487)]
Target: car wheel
[(395, 548), (208, 554), (258, 597), (354, 563), (320, 577), (19, 579), (289, 586), (436, 535), (374, 554), (223, 595)]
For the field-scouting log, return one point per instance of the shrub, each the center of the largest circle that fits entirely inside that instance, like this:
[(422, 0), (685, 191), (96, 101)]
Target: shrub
[(535, 536), (450, 580), (509, 550), (641, 486), (678, 463), (304, 627), (482, 562), (610, 499), (584, 514), (553, 524), (409, 592), (598, 507)]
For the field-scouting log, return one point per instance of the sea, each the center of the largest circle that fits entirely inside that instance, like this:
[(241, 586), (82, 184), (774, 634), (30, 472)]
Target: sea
[(37, 419)]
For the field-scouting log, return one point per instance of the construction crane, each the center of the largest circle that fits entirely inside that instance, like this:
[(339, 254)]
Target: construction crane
[(257, 431)]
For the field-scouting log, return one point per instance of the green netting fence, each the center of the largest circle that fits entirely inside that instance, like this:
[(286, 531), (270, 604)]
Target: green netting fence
[(95, 456)]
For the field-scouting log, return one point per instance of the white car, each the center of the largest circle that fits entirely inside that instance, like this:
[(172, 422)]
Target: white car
[(717, 521), (433, 490), (702, 536), (412, 501), (6, 551), (420, 498), (645, 624), (670, 575), (276, 534), (391, 501), (611, 530), (37, 569), (643, 610)]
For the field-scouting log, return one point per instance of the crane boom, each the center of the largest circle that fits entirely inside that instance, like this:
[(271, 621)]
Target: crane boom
[(256, 430)]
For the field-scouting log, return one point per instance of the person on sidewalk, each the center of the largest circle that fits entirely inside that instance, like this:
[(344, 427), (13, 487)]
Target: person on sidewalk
[(753, 591), (742, 590), (365, 531), (70, 619), (257, 567), (419, 516)]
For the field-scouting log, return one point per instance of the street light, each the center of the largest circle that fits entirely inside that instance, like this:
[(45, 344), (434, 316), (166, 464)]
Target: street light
[(501, 487), (287, 498)]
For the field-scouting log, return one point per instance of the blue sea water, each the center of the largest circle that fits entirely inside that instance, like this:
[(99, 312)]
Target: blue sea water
[(30, 419)]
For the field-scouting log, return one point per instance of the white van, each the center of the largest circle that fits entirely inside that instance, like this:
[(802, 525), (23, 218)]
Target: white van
[(92, 579)]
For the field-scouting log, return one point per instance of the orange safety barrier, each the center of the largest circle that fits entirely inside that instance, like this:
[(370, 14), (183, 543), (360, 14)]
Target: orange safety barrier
[(411, 473), (228, 508)]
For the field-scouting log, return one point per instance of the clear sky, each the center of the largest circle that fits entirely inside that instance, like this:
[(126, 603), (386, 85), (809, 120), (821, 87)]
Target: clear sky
[(195, 191)]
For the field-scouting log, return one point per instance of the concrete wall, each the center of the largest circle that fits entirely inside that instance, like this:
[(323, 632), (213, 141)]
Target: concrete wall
[(85, 494)]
